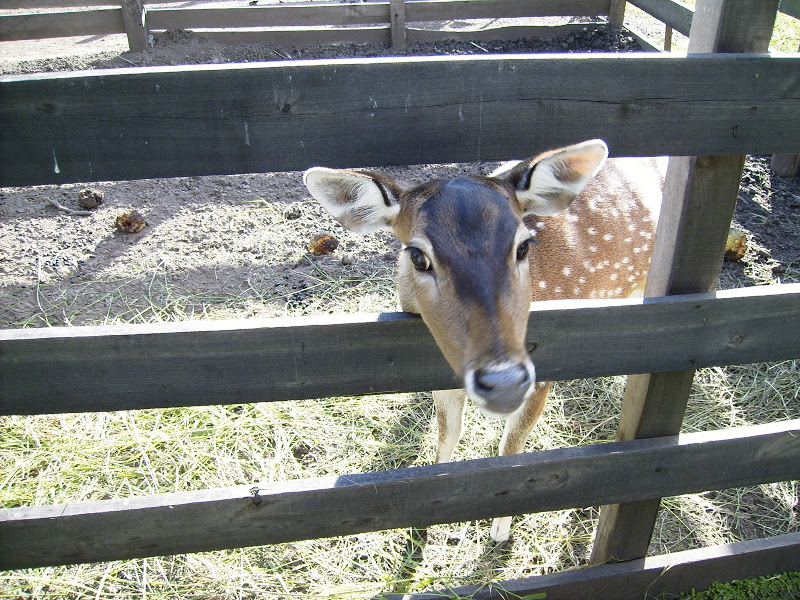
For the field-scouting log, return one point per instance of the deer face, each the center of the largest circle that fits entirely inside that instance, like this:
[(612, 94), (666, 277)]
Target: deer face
[(464, 267)]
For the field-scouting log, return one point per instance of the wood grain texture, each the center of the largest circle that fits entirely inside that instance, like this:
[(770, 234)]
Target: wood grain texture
[(616, 12), (790, 7), (677, 16), (134, 20), (666, 576), (700, 194), (397, 23), (134, 123), (85, 369), (31, 26), (416, 497), (348, 15)]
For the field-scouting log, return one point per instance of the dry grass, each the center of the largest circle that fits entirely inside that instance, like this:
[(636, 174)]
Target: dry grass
[(76, 457)]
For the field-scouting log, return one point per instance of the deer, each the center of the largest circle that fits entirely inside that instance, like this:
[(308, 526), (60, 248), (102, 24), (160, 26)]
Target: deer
[(476, 251)]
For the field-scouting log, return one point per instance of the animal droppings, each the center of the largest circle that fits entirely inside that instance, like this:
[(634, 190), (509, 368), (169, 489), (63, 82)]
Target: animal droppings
[(323, 243), (735, 245), (130, 222), (91, 198)]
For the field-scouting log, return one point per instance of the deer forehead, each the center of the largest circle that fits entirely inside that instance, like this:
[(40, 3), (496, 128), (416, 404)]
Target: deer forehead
[(472, 229), (464, 217)]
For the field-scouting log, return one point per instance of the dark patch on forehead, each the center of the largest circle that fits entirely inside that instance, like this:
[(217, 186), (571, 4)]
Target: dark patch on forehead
[(472, 229)]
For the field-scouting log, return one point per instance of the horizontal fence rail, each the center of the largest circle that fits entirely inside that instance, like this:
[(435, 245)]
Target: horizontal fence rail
[(32, 26), (675, 573), (137, 123), (412, 497), (104, 368), (341, 15), (335, 18), (673, 14)]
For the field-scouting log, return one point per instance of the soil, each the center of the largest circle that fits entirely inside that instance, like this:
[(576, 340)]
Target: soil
[(238, 246)]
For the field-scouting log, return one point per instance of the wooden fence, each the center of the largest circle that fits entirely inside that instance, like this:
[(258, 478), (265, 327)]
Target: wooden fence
[(127, 124), (380, 22), (289, 24)]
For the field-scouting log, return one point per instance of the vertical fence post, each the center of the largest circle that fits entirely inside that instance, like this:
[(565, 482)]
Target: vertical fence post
[(667, 38), (786, 165), (397, 22), (616, 12), (700, 195), (133, 17)]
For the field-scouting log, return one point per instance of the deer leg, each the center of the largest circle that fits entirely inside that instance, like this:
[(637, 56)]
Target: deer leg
[(450, 406), (518, 428)]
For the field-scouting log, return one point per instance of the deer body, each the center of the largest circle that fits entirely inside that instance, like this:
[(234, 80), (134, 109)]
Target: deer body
[(478, 250)]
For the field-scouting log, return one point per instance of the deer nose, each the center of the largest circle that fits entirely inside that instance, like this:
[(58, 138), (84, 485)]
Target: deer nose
[(504, 388)]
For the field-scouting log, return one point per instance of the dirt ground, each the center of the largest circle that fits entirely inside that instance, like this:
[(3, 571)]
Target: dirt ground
[(238, 246)]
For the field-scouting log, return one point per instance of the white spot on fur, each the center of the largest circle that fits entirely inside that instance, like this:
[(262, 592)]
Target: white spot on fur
[(566, 271)]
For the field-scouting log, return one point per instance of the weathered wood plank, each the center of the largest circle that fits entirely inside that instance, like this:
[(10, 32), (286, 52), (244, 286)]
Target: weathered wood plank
[(699, 199), (133, 17), (84, 369), (347, 15), (134, 123), (790, 7), (616, 12), (397, 23), (31, 26), (301, 15), (416, 497), (665, 576), (674, 14)]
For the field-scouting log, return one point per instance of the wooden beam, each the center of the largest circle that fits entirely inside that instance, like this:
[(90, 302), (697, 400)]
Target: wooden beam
[(397, 23), (414, 497), (700, 196), (790, 7), (676, 15), (82, 369), (32, 26), (616, 13), (666, 576), (369, 13), (133, 123), (133, 17)]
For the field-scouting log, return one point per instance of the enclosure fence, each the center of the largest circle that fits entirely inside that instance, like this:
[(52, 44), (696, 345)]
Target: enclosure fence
[(705, 110), (394, 22)]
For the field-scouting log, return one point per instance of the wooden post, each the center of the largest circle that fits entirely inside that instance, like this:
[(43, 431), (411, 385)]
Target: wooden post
[(700, 195), (786, 165), (667, 38), (397, 22), (616, 12), (133, 17)]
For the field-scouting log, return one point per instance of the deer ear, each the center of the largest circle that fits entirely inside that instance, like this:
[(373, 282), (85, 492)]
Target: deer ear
[(548, 183), (361, 201)]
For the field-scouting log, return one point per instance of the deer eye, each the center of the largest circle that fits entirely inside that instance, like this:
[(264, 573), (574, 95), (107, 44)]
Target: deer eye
[(523, 248), (418, 259)]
